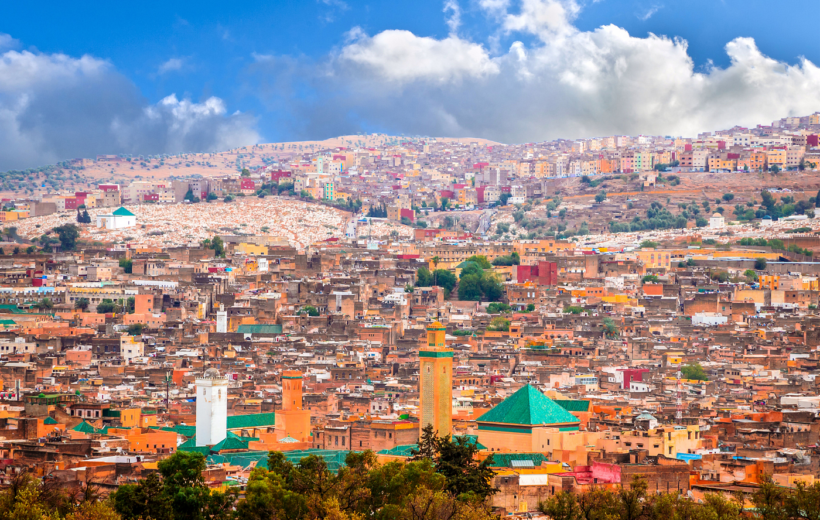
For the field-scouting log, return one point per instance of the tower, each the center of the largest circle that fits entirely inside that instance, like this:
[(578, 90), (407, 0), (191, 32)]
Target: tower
[(221, 319), (292, 421), (436, 382), (211, 408)]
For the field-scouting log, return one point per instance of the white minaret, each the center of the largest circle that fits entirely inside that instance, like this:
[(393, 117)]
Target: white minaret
[(211, 408), (221, 319)]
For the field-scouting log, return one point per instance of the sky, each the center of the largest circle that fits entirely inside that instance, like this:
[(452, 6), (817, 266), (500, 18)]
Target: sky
[(169, 77)]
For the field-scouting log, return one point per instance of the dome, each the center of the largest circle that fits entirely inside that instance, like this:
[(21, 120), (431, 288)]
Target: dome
[(212, 373), (716, 214)]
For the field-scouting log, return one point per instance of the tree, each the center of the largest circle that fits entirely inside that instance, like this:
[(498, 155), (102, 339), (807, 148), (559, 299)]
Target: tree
[(694, 371), (600, 197), (499, 323), (445, 203), (650, 278), (728, 197), (530, 307), (211, 197), (750, 275), (469, 287), (444, 279), (82, 304), (68, 235), (189, 195), (310, 310), (216, 245), (649, 244), (245, 173), (775, 169), (135, 329), (562, 506), (424, 278), (44, 304), (573, 309), (481, 260), (106, 306), (760, 264), (496, 308), (127, 265)]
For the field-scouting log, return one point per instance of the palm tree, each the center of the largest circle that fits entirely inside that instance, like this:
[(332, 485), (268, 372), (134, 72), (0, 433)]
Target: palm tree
[(435, 261)]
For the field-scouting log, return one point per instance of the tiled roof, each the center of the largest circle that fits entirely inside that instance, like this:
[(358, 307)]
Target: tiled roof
[(572, 405), (528, 406), (84, 427), (49, 420), (122, 212), (505, 460), (259, 329), (230, 443), (254, 420)]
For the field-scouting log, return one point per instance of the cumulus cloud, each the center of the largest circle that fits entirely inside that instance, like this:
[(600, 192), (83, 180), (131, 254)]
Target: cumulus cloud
[(171, 65), (55, 107), (7, 42), (563, 83)]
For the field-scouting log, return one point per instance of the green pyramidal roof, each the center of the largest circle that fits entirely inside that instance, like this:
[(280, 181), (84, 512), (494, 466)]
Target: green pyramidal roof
[(528, 406), (122, 212)]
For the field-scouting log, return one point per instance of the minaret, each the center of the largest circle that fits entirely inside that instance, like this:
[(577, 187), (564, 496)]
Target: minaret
[(211, 408), (436, 382), (292, 421), (221, 319)]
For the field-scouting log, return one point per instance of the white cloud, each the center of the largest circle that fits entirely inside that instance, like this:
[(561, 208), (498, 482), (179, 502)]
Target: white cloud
[(454, 18), (400, 56), (171, 65), (649, 12), (55, 107), (568, 83), (7, 42)]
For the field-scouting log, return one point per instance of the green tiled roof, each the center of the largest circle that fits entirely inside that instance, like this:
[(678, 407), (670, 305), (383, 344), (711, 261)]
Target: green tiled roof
[(405, 450), (230, 443), (122, 212), (259, 329), (528, 406), (253, 420), (49, 420), (84, 427), (572, 405), (182, 429), (504, 460)]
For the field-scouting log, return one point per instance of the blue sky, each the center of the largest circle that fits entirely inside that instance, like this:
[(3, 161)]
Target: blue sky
[(313, 69)]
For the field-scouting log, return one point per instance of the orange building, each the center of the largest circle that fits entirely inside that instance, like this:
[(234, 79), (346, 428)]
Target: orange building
[(292, 421)]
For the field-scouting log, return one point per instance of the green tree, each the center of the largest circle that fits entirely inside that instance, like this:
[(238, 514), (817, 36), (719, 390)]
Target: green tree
[(469, 287), (600, 197), (694, 371), (445, 279), (649, 244), (68, 235), (728, 197), (562, 506), (245, 173), (106, 306), (310, 310), (44, 304), (530, 307), (481, 260), (135, 329), (423, 277), (211, 197), (127, 265), (500, 324), (650, 278), (145, 499), (82, 304), (573, 309), (496, 308), (760, 264)]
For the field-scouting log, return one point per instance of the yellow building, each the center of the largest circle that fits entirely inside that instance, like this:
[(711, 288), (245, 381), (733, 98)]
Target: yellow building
[(436, 382), (665, 440), (251, 249), (653, 259)]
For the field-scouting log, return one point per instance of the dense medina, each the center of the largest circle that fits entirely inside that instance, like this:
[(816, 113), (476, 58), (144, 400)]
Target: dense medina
[(576, 317)]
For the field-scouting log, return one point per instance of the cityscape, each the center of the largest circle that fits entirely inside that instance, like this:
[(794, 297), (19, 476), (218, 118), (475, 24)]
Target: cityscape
[(370, 324)]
